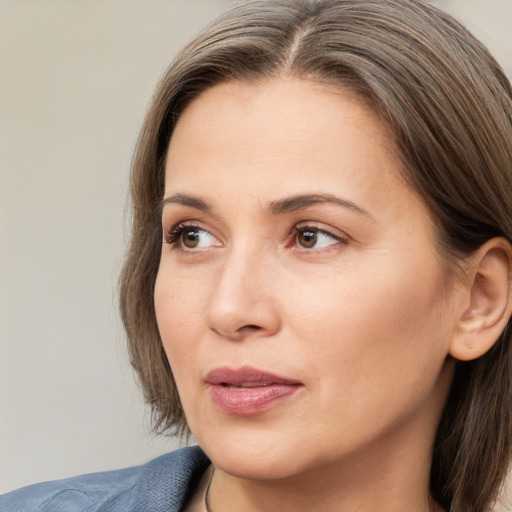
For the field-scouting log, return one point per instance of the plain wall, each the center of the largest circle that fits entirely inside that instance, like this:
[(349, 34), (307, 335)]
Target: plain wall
[(75, 79)]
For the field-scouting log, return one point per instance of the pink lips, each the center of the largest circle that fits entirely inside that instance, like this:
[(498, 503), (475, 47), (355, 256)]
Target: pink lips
[(247, 391)]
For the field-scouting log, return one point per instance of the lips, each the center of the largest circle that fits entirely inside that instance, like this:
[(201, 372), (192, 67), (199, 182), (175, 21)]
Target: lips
[(246, 391)]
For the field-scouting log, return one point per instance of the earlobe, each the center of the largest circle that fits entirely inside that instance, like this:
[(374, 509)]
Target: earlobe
[(489, 278)]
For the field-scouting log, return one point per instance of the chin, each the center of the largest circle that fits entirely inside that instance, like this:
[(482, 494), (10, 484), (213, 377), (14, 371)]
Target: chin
[(255, 466), (257, 454)]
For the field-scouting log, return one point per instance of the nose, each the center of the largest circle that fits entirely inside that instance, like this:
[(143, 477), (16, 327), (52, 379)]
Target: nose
[(244, 302)]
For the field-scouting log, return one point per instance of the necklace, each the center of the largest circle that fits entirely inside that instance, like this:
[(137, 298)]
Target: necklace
[(207, 494)]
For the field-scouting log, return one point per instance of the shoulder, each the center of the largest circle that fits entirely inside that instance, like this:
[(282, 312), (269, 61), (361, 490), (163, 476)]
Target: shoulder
[(162, 484)]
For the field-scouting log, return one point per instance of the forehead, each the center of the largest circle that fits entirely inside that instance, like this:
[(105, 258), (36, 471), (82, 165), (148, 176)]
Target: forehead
[(287, 108), (279, 137)]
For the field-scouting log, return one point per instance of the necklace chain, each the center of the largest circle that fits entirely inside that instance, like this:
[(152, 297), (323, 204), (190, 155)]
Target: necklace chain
[(207, 494)]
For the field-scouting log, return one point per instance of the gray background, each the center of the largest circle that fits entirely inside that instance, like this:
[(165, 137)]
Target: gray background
[(75, 79)]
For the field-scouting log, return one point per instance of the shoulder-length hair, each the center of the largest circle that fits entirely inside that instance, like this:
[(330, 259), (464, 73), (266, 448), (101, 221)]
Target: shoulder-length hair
[(449, 106)]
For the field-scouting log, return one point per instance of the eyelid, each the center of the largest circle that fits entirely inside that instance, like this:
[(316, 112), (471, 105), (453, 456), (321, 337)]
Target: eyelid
[(338, 237), (172, 235), (321, 228)]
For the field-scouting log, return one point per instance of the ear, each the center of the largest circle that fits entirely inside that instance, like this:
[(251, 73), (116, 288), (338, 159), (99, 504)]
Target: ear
[(489, 303)]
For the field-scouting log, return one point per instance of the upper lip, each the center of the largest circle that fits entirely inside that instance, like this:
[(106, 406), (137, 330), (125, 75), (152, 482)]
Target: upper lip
[(246, 376)]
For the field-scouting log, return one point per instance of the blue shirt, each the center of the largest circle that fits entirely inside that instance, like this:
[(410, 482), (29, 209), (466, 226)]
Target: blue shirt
[(164, 484)]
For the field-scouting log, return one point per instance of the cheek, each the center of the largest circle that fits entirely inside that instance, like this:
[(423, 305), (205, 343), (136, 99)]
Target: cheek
[(379, 330), (178, 307)]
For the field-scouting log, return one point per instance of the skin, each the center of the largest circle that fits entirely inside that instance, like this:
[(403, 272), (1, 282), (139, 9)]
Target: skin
[(363, 319)]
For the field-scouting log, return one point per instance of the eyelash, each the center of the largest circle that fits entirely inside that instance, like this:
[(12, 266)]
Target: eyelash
[(173, 236), (298, 229)]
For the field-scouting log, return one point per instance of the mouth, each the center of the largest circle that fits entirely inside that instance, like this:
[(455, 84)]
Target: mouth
[(247, 391)]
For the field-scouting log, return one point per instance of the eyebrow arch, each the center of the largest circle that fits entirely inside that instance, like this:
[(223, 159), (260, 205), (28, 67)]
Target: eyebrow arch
[(279, 207), (300, 202), (186, 200)]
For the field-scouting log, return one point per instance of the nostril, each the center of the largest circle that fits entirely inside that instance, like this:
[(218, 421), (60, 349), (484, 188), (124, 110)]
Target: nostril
[(253, 327)]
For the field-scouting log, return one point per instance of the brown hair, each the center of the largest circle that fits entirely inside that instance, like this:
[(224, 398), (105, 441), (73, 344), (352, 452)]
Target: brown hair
[(449, 106)]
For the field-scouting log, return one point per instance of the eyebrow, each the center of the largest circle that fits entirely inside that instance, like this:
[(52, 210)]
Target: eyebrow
[(186, 200), (301, 202), (279, 207)]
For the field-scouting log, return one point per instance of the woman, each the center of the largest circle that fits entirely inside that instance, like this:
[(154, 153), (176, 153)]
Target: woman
[(318, 282)]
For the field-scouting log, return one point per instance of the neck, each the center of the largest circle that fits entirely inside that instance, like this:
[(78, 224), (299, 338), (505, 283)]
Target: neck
[(304, 493)]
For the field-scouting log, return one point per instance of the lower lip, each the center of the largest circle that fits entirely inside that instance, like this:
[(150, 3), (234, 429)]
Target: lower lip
[(247, 401)]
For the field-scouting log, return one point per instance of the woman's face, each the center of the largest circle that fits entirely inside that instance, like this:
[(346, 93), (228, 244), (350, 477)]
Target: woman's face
[(300, 297)]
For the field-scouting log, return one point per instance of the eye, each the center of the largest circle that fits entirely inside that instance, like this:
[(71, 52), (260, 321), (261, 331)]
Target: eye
[(190, 237), (309, 237)]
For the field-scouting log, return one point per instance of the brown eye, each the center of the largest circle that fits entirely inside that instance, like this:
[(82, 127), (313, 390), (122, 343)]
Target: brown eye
[(307, 238), (311, 237), (190, 238)]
